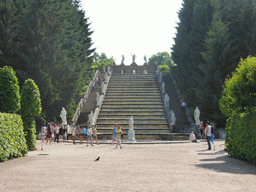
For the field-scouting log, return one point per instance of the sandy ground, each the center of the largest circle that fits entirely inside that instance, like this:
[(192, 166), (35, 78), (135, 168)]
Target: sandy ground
[(136, 167)]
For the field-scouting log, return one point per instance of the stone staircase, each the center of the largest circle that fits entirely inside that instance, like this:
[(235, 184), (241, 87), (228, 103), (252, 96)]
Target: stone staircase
[(134, 95)]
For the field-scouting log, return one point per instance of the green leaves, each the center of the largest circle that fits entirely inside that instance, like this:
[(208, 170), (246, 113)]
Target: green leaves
[(12, 139), (239, 93), (9, 90)]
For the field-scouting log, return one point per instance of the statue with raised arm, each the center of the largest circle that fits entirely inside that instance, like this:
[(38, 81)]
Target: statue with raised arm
[(122, 62), (197, 115), (145, 59), (63, 115)]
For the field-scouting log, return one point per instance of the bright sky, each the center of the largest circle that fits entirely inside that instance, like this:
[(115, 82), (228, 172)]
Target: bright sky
[(127, 27)]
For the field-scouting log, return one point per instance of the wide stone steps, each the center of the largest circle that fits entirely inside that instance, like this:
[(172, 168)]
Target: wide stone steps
[(127, 116), (136, 125), (132, 105), (133, 95), (125, 120), (132, 113), (135, 101), (137, 130)]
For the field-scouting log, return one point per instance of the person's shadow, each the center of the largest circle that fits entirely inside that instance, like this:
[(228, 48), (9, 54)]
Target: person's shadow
[(226, 164)]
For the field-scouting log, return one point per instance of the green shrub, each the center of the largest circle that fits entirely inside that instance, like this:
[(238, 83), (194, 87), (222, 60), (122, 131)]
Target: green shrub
[(241, 136), (164, 68), (239, 94), (12, 139), (30, 108), (9, 91), (238, 102)]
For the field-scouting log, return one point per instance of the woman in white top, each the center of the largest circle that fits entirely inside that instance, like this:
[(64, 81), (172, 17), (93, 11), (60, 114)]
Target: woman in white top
[(208, 134), (74, 132)]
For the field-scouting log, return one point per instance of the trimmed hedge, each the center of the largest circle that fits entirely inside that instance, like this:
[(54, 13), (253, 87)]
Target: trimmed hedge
[(12, 138), (241, 136)]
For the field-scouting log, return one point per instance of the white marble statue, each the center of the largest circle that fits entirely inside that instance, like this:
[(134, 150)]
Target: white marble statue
[(157, 69), (160, 78), (131, 133), (166, 100), (122, 71), (91, 117), (197, 115), (108, 69), (163, 87), (131, 122), (145, 59), (106, 77), (122, 62), (173, 118), (102, 87), (63, 115), (133, 58), (97, 98)]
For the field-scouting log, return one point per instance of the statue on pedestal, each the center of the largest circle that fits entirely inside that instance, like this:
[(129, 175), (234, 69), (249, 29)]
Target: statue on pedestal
[(131, 132), (133, 58), (108, 70), (145, 59), (122, 62), (166, 100), (197, 115), (106, 78), (163, 87), (97, 98), (157, 69), (173, 118), (63, 115), (91, 117), (160, 78)]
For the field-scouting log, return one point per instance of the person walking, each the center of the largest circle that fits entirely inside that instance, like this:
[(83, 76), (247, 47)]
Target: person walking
[(49, 134), (53, 131), (74, 132), (89, 135), (202, 129), (118, 134), (57, 128), (43, 132), (114, 133), (61, 133), (81, 134), (208, 134), (95, 134)]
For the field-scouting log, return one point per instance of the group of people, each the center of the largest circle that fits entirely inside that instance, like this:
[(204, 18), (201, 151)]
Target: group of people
[(206, 131), (53, 133), (81, 132)]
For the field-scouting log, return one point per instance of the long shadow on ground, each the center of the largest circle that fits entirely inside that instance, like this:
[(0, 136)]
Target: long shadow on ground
[(226, 164)]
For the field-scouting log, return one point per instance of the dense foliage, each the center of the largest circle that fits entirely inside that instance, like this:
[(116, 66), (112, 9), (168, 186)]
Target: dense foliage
[(163, 60), (48, 41), (238, 102), (12, 139), (100, 61), (212, 36), (9, 91), (30, 108)]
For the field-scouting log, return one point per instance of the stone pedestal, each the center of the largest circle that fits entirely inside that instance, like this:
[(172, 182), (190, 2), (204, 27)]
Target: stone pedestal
[(131, 135)]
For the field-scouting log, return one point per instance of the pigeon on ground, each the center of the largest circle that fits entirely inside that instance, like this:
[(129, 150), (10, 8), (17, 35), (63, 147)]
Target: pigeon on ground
[(97, 159)]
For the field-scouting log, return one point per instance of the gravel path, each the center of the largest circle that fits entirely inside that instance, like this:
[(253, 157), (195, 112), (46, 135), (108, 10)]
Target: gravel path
[(136, 167)]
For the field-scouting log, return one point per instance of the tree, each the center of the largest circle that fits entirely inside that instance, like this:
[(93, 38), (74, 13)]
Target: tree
[(30, 108), (101, 61), (163, 59), (239, 94), (9, 91)]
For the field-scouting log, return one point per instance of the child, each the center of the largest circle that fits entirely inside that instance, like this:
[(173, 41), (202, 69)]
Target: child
[(89, 135), (118, 134)]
